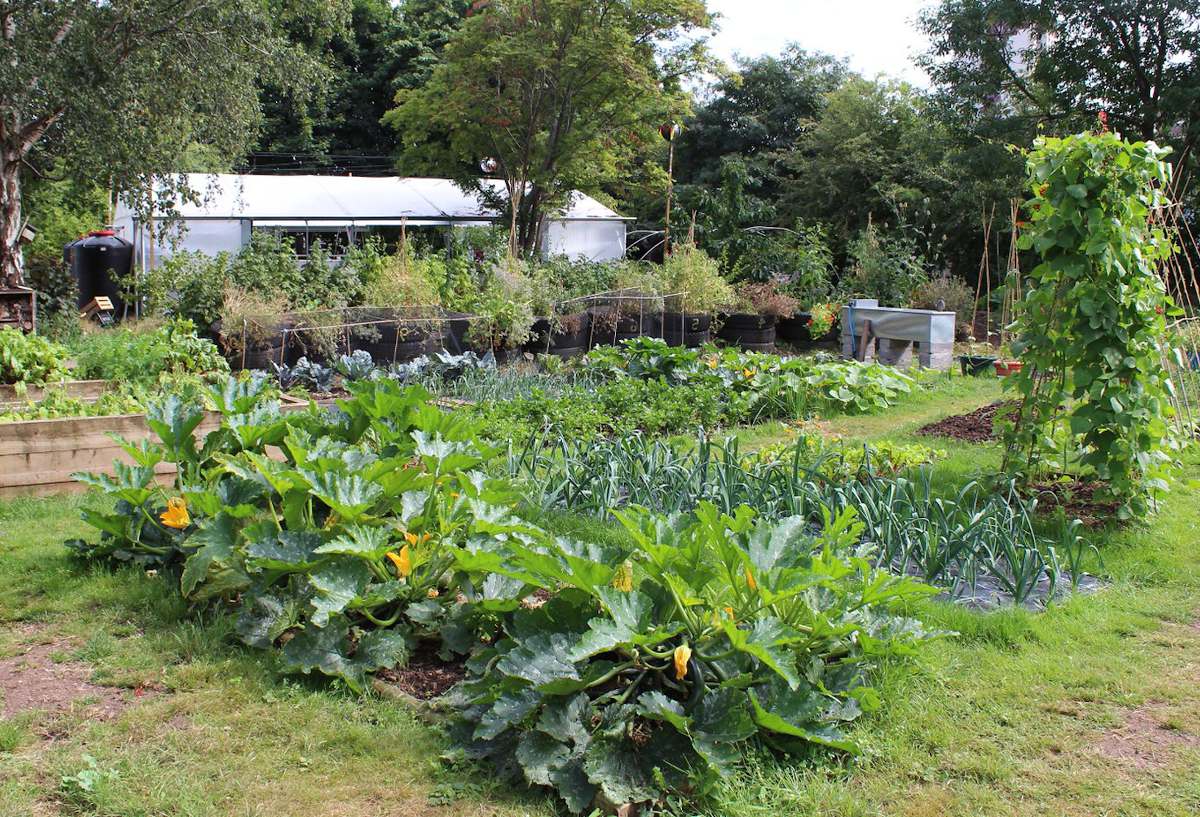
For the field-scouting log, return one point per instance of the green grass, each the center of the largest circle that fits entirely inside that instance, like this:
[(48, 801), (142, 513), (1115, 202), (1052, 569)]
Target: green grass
[(217, 731), (1009, 716)]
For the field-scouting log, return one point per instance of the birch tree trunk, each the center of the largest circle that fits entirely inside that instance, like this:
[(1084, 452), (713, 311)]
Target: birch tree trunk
[(10, 220)]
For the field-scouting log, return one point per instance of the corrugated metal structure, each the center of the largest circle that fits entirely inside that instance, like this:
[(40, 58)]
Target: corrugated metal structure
[(341, 209)]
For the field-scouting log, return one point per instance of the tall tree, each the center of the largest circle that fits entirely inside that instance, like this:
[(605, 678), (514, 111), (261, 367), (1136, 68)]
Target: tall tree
[(730, 160), (755, 112), (1008, 67), (560, 94), (380, 48), (117, 91)]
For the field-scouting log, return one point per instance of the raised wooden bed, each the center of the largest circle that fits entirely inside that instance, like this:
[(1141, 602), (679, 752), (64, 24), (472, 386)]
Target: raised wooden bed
[(88, 391), (38, 456)]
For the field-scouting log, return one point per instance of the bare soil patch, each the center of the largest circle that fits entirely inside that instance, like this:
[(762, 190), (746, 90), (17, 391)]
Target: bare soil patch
[(1078, 499), (33, 681), (425, 676), (974, 427), (1143, 743)]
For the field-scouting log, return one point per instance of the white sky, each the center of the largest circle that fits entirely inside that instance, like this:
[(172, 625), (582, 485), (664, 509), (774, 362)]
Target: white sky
[(878, 36)]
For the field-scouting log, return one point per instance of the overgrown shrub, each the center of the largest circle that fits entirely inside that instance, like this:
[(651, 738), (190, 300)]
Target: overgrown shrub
[(886, 266), (405, 279), (57, 297), (503, 309), (189, 285), (957, 295), (694, 280), (799, 262), (764, 299)]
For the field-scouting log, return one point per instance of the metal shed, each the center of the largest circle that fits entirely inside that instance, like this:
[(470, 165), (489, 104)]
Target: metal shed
[(343, 208)]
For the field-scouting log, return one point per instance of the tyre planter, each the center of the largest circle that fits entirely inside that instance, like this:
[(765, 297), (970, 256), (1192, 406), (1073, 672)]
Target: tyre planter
[(391, 341), (279, 348), (749, 331), (976, 364), (454, 332), (1006, 367), (570, 340), (690, 330), (638, 326), (793, 329)]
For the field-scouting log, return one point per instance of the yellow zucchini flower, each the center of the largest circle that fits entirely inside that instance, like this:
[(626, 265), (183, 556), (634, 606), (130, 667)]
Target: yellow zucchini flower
[(176, 514), (623, 579), (683, 654), (403, 562), (753, 585)]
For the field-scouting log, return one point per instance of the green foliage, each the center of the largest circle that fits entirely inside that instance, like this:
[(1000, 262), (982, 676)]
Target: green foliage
[(799, 262), (958, 297), (981, 542), (619, 407), (189, 285), (572, 278), (94, 106), (774, 386), (148, 356), (30, 359), (1092, 328), (644, 385), (61, 210), (972, 53), (525, 84), (653, 667), (504, 308), (403, 279), (757, 111), (886, 266), (836, 462), (340, 549), (696, 278), (56, 403)]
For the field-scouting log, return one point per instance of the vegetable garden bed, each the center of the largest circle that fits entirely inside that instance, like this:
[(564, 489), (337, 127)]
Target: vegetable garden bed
[(86, 390), (37, 457)]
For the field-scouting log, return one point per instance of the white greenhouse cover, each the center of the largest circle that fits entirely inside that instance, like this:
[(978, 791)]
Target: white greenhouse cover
[(352, 201)]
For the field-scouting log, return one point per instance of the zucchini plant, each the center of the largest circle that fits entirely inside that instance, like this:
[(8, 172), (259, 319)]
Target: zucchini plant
[(651, 669)]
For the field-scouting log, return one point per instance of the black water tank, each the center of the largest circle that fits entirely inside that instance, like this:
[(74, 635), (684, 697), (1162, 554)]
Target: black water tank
[(99, 262)]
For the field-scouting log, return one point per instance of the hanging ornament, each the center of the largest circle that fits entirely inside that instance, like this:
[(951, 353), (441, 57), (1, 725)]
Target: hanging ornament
[(488, 165), (670, 130)]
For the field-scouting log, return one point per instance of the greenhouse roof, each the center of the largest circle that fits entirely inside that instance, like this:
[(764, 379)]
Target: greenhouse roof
[(286, 200)]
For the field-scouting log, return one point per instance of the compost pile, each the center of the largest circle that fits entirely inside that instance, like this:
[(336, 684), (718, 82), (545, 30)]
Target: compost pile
[(975, 427)]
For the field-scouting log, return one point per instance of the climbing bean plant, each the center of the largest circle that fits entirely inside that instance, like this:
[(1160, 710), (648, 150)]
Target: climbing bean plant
[(1094, 396)]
